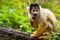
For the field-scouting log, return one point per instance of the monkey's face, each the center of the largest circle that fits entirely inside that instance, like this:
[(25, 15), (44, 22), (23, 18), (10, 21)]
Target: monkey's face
[(35, 13), (34, 10)]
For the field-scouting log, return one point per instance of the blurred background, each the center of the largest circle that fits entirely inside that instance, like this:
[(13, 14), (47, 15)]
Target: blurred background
[(13, 13)]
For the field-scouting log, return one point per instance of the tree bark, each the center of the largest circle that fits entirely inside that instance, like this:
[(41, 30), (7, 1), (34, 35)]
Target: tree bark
[(12, 34)]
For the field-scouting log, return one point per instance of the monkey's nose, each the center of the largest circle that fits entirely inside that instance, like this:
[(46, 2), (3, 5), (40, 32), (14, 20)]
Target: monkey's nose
[(35, 14)]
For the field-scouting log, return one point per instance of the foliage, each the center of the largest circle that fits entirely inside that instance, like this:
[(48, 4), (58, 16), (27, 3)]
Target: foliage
[(13, 15)]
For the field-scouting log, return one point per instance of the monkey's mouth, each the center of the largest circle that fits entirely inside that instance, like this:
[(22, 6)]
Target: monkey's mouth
[(33, 17)]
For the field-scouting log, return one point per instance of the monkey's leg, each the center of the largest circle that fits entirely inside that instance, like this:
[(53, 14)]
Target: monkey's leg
[(48, 34), (40, 31)]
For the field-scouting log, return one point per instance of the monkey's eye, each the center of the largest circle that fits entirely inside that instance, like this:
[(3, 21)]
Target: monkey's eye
[(36, 10), (33, 10)]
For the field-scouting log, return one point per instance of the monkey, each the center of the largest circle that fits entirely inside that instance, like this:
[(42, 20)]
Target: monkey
[(42, 19)]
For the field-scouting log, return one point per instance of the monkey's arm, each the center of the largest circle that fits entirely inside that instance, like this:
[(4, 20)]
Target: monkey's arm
[(40, 30)]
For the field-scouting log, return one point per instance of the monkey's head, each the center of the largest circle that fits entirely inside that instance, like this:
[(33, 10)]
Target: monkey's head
[(34, 10)]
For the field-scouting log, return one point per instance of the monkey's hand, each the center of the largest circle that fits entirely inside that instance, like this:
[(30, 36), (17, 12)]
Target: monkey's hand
[(32, 37)]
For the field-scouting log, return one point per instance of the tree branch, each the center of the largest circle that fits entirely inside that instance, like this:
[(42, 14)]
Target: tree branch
[(12, 34)]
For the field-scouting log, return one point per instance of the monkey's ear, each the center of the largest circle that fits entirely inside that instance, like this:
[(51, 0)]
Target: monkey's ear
[(40, 7), (28, 9)]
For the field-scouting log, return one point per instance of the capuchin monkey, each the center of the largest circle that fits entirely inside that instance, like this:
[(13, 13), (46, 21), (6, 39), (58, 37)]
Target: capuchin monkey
[(42, 19)]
